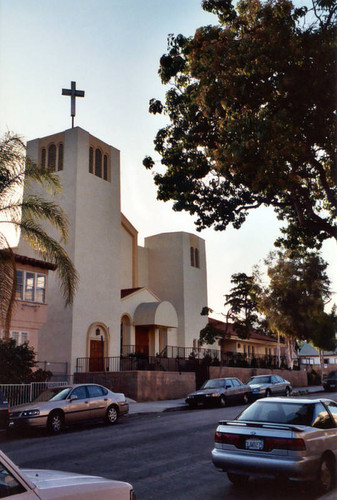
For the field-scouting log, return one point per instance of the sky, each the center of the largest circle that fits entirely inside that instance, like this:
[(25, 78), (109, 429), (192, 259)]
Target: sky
[(111, 48)]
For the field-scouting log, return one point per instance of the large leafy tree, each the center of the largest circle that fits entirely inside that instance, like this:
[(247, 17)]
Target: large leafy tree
[(294, 300), (252, 110), (28, 214)]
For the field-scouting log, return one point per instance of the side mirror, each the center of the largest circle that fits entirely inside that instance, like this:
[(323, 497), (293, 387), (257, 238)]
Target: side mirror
[(73, 398), (228, 386)]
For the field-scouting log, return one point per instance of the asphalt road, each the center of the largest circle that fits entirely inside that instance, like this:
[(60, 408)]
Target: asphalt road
[(163, 455)]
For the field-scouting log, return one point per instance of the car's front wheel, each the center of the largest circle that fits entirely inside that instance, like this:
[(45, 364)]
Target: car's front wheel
[(237, 479), (55, 422), (287, 392), (268, 393), (112, 414), (326, 475), (245, 399), (223, 401)]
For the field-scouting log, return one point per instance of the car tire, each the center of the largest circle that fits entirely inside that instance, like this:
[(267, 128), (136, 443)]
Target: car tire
[(237, 479), (287, 392), (268, 393), (222, 401), (55, 422), (245, 399), (111, 415), (326, 475)]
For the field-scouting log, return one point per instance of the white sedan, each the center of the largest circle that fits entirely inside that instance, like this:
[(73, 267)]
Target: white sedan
[(39, 484)]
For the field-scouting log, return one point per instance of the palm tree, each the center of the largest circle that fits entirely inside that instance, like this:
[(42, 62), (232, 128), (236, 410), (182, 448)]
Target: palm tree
[(26, 213)]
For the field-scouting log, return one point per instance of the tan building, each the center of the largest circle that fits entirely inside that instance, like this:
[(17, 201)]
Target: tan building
[(130, 297)]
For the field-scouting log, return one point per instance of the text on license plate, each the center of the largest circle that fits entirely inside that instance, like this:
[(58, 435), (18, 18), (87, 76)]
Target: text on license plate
[(332, 385), (254, 444)]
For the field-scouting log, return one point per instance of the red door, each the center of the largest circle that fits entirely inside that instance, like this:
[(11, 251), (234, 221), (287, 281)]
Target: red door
[(142, 340), (96, 363)]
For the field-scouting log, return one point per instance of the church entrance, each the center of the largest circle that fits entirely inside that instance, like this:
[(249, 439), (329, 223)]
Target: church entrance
[(97, 347), (142, 340)]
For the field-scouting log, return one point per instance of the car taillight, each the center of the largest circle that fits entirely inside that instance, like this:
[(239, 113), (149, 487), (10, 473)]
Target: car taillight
[(227, 438), (292, 444), (132, 495)]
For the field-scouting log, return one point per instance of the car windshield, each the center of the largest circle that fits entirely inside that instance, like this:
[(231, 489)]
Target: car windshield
[(332, 375), (279, 413), (259, 380), (213, 384), (54, 394)]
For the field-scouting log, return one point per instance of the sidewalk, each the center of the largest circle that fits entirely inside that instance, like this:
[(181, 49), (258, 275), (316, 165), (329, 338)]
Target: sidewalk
[(179, 404)]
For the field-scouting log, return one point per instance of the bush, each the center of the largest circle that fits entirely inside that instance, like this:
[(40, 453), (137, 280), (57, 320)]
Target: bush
[(16, 362)]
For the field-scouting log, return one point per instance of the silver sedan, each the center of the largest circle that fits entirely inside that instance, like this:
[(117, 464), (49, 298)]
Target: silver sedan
[(280, 437), (60, 406)]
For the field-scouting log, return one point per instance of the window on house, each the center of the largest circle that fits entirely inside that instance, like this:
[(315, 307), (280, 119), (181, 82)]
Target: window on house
[(105, 168), (192, 256), (31, 286), (98, 163), (43, 157), (60, 157), (19, 337), (91, 160), (52, 157), (196, 257)]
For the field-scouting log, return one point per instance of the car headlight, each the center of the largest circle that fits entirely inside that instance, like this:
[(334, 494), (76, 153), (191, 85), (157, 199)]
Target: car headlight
[(30, 413), (215, 395)]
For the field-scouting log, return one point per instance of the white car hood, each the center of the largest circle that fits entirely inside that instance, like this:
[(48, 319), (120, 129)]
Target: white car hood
[(48, 479)]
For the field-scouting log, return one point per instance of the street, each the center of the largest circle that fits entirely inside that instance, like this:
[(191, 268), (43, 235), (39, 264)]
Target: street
[(163, 455)]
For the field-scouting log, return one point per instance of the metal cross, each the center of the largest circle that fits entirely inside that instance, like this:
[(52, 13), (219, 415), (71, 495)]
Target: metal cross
[(73, 93)]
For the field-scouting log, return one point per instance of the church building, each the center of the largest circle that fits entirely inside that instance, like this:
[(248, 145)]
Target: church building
[(131, 298)]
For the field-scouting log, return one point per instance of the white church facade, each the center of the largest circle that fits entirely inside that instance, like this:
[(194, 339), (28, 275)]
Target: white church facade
[(130, 297)]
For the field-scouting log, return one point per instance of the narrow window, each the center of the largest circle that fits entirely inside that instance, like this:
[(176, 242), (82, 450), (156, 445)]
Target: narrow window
[(15, 336), (98, 163), (60, 158), (192, 256), (105, 168), (24, 338), (40, 295), (91, 160), (29, 286), (19, 285), (196, 257), (43, 157), (52, 157)]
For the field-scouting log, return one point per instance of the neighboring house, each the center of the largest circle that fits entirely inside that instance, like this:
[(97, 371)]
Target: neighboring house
[(30, 309), (309, 356), (257, 345), (131, 298)]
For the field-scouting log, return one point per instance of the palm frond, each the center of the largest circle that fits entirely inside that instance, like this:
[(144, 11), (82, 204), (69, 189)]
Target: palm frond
[(51, 251), (7, 284)]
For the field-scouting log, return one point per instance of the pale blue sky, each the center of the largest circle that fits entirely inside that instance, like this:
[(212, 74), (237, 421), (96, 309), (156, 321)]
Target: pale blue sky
[(111, 48)]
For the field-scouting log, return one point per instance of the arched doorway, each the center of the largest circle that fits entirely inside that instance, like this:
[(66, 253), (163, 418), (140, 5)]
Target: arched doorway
[(97, 347)]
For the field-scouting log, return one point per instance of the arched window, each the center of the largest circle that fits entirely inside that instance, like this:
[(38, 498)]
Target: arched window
[(52, 157), (105, 168), (43, 157), (192, 256), (91, 160), (60, 157), (196, 257), (98, 163)]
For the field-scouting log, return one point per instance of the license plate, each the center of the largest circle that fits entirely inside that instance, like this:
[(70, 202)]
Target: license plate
[(332, 385), (254, 444)]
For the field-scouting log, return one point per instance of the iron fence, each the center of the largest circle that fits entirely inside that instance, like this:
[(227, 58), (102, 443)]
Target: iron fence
[(25, 393)]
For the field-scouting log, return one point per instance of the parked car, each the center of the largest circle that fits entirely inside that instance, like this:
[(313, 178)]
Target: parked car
[(220, 391), (40, 484), (59, 406), (330, 383), (280, 437), (4, 411), (269, 385)]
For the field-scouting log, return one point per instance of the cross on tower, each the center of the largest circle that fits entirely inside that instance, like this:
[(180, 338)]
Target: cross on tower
[(73, 94)]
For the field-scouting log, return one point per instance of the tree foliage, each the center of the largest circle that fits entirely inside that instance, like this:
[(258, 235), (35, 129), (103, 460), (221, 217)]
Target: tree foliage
[(295, 297), (27, 213), (252, 110), (16, 362)]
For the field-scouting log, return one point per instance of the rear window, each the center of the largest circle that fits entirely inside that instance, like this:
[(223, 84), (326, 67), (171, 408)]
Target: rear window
[(259, 380), (279, 413)]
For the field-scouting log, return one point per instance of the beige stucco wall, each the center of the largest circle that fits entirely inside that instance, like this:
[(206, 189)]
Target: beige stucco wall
[(93, 209), (172, 278)]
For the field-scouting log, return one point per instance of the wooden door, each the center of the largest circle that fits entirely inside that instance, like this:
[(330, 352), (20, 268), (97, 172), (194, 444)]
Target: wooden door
[(96, 363)]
